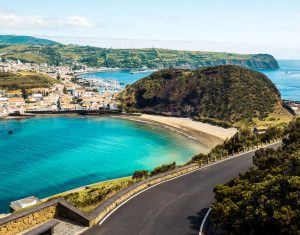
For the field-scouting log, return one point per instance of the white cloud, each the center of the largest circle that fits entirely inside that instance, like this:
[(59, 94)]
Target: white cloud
[(13, 20)]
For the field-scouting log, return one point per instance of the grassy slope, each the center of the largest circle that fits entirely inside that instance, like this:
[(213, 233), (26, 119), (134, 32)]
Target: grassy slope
[(11, 81), (83, 198), (130, 58)]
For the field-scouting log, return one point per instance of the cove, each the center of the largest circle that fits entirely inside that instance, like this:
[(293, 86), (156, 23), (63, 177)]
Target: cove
[(49, 155)]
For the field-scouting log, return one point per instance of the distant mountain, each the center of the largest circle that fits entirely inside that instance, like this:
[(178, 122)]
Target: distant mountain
[(27, 40), (228, 93), (55, 54)]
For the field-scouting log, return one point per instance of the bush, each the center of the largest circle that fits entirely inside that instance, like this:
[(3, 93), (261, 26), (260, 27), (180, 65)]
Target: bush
[(163, 168), (137, 175), (198, 157)]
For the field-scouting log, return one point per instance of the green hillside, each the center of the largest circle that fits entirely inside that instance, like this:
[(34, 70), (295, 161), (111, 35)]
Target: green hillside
[(27, 40), (132, 58), (228, 93), (11, 81)]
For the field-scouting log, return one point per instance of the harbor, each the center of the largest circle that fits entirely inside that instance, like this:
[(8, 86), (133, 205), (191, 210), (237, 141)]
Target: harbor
[(101, 85)]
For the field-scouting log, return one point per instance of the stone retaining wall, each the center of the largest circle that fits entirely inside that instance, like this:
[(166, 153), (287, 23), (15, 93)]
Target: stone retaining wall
[(25, 222)]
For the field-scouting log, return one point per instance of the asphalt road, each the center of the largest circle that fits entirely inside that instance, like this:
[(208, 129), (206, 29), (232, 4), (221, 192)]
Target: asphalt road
[(174, 207)]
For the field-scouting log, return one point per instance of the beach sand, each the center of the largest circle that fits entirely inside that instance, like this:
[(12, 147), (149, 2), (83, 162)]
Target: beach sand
[(206, 134)]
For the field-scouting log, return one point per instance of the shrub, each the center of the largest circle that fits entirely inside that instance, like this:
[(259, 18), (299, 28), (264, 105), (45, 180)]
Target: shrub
[(137, 175), (163, 168)]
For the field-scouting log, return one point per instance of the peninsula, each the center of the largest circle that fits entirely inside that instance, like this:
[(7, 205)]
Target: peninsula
[(36, 50)]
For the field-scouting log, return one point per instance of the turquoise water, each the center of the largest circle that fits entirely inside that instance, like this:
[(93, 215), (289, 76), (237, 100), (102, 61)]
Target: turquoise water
[(45, 156), (287, 78)]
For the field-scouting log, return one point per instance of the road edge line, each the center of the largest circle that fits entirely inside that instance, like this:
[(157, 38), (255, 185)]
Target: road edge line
[(212, 164), (203, 221)]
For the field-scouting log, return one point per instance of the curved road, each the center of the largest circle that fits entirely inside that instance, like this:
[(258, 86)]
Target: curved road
[(174, 207)]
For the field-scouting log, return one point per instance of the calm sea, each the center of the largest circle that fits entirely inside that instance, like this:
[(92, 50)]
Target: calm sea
[(286, 78), (45, 156)]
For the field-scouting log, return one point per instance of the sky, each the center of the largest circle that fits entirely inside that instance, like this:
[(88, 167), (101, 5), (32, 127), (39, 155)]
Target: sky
[(242, 26)]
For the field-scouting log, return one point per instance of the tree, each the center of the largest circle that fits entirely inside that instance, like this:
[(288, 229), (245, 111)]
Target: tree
[(265, 199)]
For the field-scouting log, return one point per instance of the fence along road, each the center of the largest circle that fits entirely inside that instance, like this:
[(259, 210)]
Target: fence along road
[(176, 206)]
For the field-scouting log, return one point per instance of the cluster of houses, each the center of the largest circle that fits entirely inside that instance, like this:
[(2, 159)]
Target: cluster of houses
[(64, 72), (62, 96)]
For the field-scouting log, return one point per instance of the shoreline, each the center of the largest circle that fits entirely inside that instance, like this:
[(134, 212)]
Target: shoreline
[(191, 129), (203, 133)]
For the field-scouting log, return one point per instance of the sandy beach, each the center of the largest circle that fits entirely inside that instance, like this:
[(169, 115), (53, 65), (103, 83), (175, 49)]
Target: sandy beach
[(205, 133)]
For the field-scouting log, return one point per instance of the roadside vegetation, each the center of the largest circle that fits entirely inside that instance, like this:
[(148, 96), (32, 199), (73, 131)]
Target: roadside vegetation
[(92, 196), (265, 199)]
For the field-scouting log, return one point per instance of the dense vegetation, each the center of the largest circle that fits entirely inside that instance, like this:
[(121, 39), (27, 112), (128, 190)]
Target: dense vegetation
[(266, 199), (11, 81), (13, 39), (242, 141), (228, 93), (131, 58)]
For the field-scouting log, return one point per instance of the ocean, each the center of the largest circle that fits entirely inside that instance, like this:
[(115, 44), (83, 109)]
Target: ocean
[(49, 155), (286, 79)]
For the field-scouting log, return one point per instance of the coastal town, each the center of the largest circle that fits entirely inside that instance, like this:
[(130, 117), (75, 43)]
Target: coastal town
[(70, 93)]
